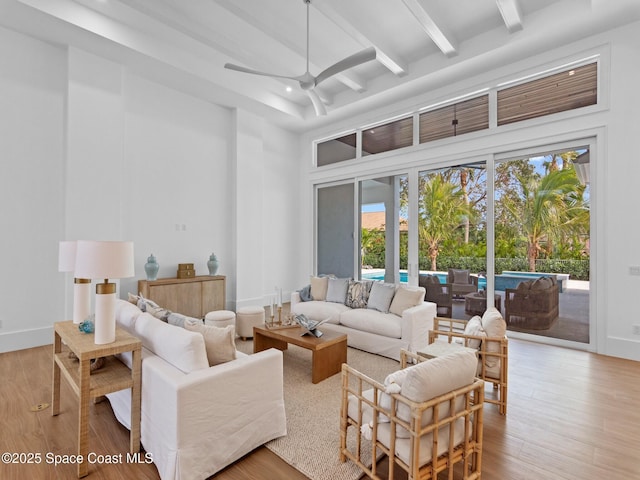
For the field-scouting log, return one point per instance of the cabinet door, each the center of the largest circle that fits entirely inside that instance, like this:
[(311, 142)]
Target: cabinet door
[(164, 295), (213, 293), (189, 299)]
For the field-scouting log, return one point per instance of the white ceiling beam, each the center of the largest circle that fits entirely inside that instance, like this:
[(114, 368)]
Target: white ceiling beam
[(365, 35), (511, 14), (436, 29)]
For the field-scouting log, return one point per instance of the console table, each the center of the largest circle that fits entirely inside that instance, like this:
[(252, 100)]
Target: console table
[(113, 376), (194, 297)]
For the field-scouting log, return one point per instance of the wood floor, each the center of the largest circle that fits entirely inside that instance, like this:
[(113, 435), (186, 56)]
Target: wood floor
[(571, 415)]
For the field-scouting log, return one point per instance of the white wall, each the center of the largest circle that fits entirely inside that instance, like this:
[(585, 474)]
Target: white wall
[(615, 168), (32, 110), (93, 151)]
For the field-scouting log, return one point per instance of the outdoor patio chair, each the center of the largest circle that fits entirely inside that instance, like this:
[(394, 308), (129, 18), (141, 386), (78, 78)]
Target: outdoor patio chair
[(533, 303), (488, 336), (439, 293), (462, 282), (431, 406)]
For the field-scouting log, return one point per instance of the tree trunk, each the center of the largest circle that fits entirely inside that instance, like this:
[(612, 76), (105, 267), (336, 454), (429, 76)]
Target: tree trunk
[(532, 255)]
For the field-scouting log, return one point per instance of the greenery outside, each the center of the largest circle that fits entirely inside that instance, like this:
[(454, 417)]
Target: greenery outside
[(541, 219)]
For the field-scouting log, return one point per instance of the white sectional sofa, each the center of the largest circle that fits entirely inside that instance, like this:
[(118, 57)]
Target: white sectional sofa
[(198, 419), (385, 319)]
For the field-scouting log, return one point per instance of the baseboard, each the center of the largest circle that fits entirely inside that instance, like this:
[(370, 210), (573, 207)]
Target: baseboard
[(36, 337), (623, 348)]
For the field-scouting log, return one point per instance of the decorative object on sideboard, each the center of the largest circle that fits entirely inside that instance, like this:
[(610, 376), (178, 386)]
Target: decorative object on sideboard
[(151, 267), (81, 286), (105, 260), (186, 270), (213, 264)]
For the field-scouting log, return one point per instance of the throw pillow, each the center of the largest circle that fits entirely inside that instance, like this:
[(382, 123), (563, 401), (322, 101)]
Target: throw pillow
[(495, 326), (159, 312), (133, 298), (474, 327), (461, 276), (219, 341), (143, 303), (337, 290), (406, 298), (380, 296), (305, 294), (319, 286), (358, 293)]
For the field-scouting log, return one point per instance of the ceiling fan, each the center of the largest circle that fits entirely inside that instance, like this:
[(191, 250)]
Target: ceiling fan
[(307, 81)]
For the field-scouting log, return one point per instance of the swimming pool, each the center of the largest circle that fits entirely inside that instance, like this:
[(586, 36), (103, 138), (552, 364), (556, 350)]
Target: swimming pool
[(379, 275)]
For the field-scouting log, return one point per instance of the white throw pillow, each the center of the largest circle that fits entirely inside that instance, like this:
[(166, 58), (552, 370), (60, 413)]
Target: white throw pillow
[(319, 286), (219, 341), (474, 327), (337, 290), (405, 298), (381, 296)]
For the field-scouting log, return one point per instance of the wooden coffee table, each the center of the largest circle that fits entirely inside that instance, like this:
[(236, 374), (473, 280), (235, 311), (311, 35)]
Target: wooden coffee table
[(328, 352)]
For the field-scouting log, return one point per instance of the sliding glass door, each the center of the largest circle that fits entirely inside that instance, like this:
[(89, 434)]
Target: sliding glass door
[(384, 223), (542, 231)]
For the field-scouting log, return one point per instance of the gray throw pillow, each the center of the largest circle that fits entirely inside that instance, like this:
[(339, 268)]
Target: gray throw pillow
[(337, 290), (380, 296)]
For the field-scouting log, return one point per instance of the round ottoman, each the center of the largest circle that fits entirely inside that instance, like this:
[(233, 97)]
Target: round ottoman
[(220, 318), (247, 318)]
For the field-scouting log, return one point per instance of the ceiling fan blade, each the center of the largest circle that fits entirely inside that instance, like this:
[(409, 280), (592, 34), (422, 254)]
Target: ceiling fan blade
[(238, 68), (317, 103), (362, 56)]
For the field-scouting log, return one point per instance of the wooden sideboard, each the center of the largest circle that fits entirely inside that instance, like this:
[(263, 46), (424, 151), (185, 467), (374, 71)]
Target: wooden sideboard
[(190, 296)]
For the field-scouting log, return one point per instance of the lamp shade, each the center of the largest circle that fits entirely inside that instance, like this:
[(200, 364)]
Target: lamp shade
[(67, 256), (104, 259)]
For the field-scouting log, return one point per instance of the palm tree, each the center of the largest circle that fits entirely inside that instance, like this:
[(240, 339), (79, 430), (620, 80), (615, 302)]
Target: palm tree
[(548, 208), (442, 210)]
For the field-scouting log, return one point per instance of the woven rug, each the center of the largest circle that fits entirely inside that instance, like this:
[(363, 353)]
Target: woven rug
[(313, 413)]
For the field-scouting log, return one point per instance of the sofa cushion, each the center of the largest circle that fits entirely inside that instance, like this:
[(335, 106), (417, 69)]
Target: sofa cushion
[(181, 348), (219, 341), (319, 286), (358, 293), (372, 321), (126, 315), (337, 290), (474, 327), (321, 310), (381, 296), (405, 298)]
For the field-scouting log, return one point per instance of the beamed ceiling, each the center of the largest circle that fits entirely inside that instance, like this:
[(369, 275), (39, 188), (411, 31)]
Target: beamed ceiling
[(421, 45)]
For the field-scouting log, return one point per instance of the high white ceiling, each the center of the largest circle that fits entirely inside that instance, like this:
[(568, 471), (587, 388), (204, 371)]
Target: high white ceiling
[(420, 44)]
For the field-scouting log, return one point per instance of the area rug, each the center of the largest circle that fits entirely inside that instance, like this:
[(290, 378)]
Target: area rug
[(313, 413)]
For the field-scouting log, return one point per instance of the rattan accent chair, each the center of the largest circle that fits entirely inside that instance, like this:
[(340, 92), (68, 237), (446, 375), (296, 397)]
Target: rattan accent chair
[(408, 432), (493, 355)]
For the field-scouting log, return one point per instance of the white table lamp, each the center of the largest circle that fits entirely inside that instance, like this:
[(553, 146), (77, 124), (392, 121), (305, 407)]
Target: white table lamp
[(81, 286), (104, 260)]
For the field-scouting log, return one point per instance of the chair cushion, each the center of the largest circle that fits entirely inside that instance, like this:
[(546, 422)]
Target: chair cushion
[(460, 276), (405, 298), (433, 378)]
